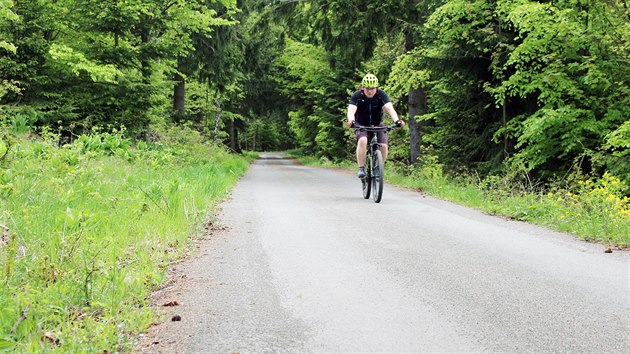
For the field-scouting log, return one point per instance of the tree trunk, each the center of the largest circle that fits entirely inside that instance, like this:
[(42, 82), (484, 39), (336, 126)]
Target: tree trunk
[(179, 94), (232, 130), (505, 133), (417, 106), (217, 119), (145, 65)]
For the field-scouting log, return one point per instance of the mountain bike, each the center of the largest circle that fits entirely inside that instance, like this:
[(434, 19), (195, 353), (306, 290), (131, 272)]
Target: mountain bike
[(374, 169)]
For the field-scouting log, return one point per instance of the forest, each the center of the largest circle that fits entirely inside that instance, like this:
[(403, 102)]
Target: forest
[(538, 90)]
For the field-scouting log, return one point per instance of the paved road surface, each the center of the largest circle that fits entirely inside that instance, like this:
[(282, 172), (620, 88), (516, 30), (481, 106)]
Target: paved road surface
[(308, 265)]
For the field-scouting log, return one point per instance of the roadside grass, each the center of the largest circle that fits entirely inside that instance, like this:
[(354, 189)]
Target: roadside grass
[(89, 228), (594, 210)]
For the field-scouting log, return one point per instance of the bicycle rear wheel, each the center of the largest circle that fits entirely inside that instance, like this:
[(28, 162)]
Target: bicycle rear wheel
[(377, 176), (367, 185)]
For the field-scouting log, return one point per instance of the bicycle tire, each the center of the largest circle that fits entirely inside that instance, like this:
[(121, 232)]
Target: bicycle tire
[(377, 176), (366, 181)]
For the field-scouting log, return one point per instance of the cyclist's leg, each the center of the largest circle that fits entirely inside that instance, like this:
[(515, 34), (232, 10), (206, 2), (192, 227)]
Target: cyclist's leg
[(362, 139)]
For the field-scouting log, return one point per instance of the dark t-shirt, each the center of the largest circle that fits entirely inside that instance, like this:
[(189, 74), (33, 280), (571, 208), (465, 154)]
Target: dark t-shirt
[(369, 110)]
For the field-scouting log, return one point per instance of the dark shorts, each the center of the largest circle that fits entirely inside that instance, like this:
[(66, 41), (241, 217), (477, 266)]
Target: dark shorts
[(381, 136)]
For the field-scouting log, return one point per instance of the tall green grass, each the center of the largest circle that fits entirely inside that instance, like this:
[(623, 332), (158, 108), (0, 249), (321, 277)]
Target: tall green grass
[(89, 229)]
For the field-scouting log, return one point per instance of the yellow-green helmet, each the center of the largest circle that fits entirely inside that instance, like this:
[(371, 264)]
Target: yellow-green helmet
[(369, 81)]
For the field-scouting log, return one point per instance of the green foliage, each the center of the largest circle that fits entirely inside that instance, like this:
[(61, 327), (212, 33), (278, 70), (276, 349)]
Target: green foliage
[(262, 135), (306, 71), (502, 87), (305, 77), (247, 53), (451, 64), (91, 228), (568, 67), (22, 122), (619, 140), (88, 63), (7, 18), (78, 64), (302, 128), (387, 51), (407, 72), (26, 24)]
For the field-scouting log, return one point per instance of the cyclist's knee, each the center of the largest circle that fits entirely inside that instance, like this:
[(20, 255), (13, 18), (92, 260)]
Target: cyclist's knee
[(362, 141)]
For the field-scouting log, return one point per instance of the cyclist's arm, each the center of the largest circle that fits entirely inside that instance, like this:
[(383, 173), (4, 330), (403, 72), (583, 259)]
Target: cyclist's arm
[(352, 109), (389, 108)]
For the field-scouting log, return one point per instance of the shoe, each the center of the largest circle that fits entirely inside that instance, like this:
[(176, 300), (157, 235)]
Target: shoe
[(361, 173)]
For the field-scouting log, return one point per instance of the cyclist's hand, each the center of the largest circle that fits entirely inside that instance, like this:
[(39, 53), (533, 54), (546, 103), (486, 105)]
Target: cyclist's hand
[(350, 123), (400, 123)]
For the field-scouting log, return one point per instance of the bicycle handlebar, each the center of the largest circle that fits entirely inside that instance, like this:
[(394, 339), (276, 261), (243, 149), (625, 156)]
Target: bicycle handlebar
[(374, 129)]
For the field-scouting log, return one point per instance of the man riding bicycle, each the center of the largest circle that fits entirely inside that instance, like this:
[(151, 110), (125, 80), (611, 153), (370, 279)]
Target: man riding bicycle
[(366, 108)]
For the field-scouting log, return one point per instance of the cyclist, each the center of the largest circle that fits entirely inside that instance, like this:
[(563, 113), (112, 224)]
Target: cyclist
[(366, 108)]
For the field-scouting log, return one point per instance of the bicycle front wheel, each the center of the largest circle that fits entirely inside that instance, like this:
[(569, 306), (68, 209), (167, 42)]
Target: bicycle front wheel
[(367, 186), (377, 176)]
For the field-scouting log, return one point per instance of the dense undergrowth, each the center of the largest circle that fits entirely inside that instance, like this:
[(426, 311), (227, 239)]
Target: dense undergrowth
[(89, 228), (594, 209)]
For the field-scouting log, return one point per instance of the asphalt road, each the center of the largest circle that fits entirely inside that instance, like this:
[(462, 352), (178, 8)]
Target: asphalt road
[(307, 265)]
